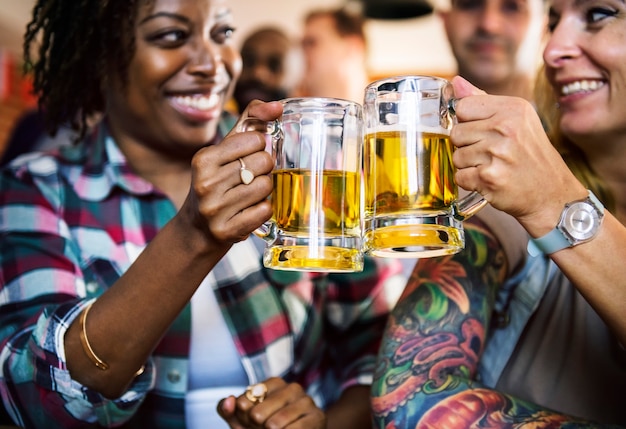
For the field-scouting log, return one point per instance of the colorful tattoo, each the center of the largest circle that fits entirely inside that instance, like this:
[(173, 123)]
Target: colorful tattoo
[(433, 342)]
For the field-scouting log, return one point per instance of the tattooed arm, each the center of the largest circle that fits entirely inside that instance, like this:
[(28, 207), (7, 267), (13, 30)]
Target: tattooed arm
[(433, 342)]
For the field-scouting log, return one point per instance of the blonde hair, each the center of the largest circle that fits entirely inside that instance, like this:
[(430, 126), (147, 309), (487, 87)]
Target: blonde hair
[(573, 156)]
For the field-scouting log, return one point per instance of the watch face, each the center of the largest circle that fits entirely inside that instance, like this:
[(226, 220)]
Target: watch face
[(580, 221)]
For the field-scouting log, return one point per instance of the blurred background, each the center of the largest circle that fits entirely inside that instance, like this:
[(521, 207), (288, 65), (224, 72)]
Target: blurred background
[(397, 44)]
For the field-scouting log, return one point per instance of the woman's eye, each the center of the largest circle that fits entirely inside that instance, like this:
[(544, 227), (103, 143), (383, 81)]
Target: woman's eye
[(598, 14), (170, 38), (223, 33)]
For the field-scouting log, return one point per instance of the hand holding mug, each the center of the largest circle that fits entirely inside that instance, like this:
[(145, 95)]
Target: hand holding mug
[(222, 208), (504, 154), (316, 223)]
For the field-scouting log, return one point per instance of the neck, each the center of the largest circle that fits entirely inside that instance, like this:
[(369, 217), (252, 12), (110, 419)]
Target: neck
[(174, 184), (168, 174)]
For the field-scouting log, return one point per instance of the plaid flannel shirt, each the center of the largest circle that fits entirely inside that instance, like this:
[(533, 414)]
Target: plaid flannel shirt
[(72, 222)]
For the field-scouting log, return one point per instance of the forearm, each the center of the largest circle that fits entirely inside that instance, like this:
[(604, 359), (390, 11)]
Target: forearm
[(465, 404), (598, 271), (425, 375), (432, 345), (126, 323), (44, 398), (436, 332), (595, 267)]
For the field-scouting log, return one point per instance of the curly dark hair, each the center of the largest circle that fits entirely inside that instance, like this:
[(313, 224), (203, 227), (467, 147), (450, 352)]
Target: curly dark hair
[(81, 43)]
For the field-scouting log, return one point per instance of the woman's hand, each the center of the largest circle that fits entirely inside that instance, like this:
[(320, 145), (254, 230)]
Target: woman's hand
[(504, 154), (220, 204), (286, 405)]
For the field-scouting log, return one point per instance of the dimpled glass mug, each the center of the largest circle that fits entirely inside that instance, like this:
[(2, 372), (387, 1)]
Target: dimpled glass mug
[(412, 206), (316, 223)]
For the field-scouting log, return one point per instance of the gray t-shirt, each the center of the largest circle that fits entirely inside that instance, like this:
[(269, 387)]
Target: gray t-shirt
[(567, 359)]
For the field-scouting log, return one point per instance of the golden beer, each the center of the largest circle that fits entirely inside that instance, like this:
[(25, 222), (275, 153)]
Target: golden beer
[(408, 174), (317, 216), (409, 192)]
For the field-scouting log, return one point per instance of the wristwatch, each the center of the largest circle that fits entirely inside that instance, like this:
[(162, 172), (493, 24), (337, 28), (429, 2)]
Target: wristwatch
[(580, 222)]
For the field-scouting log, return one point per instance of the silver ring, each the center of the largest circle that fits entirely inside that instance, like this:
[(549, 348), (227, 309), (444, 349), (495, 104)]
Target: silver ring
[(256, 393), (246, 175)]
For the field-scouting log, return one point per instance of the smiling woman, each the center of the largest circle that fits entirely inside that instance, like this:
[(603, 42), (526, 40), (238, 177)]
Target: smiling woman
[(126, 259), (539, 338)]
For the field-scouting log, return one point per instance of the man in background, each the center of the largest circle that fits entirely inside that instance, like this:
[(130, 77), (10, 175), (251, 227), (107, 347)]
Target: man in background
[(497, 43), (265, 70), (334, 47)]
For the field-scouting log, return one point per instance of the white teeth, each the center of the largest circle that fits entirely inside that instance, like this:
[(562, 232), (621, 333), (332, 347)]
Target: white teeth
[(198, 102), (581, 86)]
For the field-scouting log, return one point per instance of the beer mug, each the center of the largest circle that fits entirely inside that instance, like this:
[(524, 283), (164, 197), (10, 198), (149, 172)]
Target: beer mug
[(316, 200), (412, 207)]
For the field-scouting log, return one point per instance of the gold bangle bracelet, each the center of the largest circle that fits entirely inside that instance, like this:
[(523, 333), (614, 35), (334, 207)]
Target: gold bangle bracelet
[(85, 342)]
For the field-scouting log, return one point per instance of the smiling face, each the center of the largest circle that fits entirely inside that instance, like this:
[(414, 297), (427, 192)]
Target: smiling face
[(586, 64), (494, 40), (182, 71)]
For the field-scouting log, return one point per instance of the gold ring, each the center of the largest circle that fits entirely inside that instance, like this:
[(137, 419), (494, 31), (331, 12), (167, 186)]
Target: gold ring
[(256, 393), (246, 175)]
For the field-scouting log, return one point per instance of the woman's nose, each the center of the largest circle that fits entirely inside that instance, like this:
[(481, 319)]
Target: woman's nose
[(205, 58), (562, 44)]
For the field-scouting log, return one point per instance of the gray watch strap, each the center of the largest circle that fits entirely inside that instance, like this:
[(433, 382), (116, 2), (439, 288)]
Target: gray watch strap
[(549, 243)]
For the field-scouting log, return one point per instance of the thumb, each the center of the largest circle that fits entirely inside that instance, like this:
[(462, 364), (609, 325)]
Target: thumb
[(226, 410), (462, 88), (257, 116)]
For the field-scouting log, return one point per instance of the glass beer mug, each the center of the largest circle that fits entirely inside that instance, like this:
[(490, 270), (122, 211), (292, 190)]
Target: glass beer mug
[(316, 223), (412, 207)]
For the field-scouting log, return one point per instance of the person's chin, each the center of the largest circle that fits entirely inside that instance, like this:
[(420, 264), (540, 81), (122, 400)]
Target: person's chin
[(193, 136), (245, 92)]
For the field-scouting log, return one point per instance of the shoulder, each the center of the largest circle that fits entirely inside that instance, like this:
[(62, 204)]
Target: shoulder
[(41, 167), (38, 179)]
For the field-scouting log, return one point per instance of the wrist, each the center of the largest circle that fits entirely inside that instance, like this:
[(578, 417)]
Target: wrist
[(579, 222), (195, 240)]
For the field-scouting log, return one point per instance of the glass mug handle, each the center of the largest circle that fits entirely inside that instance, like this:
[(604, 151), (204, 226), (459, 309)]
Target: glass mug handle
[(470, 204), (273, 134)]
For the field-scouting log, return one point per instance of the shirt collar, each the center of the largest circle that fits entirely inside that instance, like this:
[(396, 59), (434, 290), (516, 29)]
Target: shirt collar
[(104, 167)]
